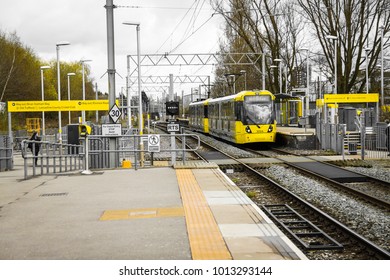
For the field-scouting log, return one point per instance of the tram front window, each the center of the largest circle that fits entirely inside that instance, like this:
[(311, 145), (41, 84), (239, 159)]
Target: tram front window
[(258, 110)]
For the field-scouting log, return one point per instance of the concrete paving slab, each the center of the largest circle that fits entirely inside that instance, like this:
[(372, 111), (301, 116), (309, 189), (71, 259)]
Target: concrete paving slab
[(57, 217)]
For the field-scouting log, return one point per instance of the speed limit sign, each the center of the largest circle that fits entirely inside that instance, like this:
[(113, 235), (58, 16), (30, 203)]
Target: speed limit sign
[(115, 113)]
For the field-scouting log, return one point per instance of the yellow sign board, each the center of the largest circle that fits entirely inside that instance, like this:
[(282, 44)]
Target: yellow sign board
[(55, 106), (351, 98)]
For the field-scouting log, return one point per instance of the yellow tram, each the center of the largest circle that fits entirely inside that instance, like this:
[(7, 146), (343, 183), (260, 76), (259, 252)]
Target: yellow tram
[(245, 117)]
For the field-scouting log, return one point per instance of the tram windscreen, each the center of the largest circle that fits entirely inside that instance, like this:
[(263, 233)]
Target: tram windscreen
[(258, 109)]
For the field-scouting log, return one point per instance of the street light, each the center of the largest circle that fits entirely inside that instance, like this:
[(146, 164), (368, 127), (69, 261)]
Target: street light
[(280, 73), (63, 43), (43, 98), (137, 24), (331, 37), (307, 82), (69, 75), (366, 50), (83, 112), (243, 72)]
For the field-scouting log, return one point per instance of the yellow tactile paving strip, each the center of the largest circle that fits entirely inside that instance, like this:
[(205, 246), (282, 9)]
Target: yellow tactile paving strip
[(205, 238), (142, 213)]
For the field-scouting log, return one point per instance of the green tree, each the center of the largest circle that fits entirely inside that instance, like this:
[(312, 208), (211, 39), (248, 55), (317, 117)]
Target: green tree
[(20, 79)]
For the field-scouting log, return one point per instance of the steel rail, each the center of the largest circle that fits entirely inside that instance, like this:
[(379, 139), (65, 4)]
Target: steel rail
[(381, 253)]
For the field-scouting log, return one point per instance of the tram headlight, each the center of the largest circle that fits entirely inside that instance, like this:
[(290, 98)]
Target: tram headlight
[(270, 128), (248, 129)]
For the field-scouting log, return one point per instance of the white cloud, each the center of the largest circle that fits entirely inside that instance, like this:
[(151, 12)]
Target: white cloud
[(42, 23)]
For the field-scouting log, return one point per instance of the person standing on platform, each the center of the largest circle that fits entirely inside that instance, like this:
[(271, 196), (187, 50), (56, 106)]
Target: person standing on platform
[(387, 132), (34, 147)]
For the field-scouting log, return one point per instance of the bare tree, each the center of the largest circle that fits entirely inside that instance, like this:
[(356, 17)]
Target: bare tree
[(270, 27), (356, 23)]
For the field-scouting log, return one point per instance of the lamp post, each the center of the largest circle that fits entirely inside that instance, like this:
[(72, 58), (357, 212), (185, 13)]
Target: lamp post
[(307, 82), (137, 24), (331, 37), (69, 75), (366, 50), (243, 72), (43, 99), (274, 67), (280, 73), (83, 112), (58, 45)]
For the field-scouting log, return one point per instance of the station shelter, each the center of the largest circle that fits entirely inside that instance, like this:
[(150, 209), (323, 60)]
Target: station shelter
[(288, 109)]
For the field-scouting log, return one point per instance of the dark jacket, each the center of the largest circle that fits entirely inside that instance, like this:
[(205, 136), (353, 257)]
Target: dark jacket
[(34, 137)]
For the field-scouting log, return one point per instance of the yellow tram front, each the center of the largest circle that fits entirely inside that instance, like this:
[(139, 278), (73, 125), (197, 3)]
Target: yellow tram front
[(245, 117), (255, 117)]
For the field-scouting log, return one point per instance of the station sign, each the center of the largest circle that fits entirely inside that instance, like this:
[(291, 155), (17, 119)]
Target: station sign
[(153, 143), (173, 127), (351, 98), (55, 105), (111, 129)]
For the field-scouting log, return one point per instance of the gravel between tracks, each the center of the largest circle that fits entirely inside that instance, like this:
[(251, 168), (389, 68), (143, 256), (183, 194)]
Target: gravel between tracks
[(362, 218)]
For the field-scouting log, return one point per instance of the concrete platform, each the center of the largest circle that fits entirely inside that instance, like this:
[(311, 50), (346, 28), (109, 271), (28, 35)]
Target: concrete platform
[(156, 213), (296, 137)]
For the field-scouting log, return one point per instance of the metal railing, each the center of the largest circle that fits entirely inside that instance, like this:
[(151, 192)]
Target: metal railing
[(6, 153), (367, 142), (134, 148), (45, 157)]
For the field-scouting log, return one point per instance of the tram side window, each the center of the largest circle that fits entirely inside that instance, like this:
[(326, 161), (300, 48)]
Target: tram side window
[(239, 112)]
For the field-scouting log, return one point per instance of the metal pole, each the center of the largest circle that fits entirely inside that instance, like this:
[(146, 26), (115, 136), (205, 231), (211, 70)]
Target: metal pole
[(307, 86), (139, 81), (110, 51), (43, 99), (69, 96), (111, 70), (170, 87), (366, 51), (280, 77), (263, 70), (83, 112), (286, 74), (96, 97), (11, 138), (128, 94), (335, 65), (209, 87), (382, 65), (140, 118), (59, 94), (182, 103)]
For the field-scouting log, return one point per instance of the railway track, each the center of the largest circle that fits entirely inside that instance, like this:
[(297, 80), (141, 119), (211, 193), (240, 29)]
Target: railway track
[(315, 231), (366, 188)]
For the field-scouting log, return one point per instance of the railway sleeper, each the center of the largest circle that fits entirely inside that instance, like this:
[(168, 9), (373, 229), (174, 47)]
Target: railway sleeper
[(302, 230)]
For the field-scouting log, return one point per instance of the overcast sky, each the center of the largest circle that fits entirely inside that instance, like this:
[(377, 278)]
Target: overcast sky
[(42, 23)]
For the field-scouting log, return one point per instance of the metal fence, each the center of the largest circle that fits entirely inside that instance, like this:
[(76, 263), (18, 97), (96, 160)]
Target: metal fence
[(43, 157), (6, 157), (367, 142), (373, 140), (137, 149)]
